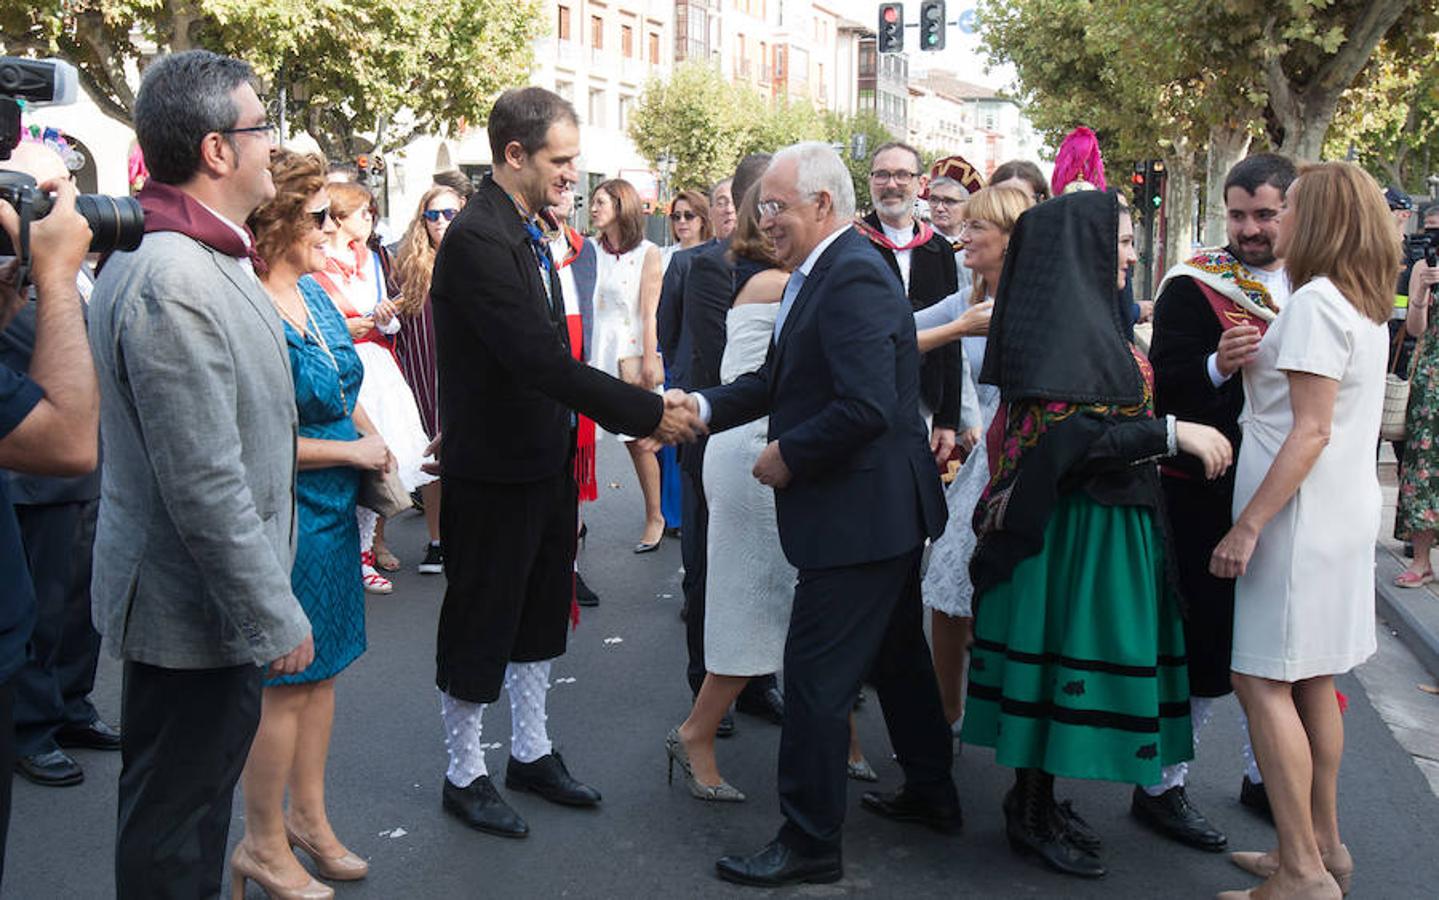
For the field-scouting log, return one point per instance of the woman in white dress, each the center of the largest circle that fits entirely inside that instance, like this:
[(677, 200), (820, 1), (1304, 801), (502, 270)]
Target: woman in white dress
[(990, 215), (750, 584), (354, 279), (625, 343), (1307, 508)]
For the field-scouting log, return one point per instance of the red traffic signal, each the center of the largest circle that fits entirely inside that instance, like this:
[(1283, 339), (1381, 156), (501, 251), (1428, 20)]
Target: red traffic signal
[(891, 28)]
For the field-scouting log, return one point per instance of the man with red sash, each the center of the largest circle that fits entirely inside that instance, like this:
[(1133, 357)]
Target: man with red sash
[(1210, 315), (924, 263)]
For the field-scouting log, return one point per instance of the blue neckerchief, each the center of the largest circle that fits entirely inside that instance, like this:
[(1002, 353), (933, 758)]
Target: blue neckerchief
[(539, 243)]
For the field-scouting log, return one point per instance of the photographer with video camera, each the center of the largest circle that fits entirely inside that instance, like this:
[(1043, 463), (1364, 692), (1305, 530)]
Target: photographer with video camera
[(49, 416), (1418, 476)]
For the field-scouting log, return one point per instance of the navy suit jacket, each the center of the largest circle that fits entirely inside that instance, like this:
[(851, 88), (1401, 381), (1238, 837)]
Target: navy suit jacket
[(841, 388)]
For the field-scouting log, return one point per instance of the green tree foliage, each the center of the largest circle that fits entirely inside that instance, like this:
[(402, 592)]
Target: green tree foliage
[(1389, 119), (707, 125), (377, 66)]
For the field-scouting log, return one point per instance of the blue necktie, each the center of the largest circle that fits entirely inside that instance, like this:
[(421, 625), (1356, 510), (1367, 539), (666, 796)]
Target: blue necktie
[(791, 291)]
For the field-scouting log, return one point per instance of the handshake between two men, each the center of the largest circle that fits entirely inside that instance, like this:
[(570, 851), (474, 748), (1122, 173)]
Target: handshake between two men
[(683, 423)]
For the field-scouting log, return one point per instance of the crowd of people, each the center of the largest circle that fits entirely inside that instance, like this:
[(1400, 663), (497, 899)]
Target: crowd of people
[(874, 415)]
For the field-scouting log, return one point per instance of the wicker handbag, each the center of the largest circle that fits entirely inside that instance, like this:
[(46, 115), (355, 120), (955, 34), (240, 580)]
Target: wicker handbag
[(1396, 392)]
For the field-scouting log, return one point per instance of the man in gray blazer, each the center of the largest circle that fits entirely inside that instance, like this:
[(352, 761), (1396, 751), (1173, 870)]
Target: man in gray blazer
[(195, 541)]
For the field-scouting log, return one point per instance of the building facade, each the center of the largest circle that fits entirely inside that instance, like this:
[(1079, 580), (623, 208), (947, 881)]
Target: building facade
[(952, 116)]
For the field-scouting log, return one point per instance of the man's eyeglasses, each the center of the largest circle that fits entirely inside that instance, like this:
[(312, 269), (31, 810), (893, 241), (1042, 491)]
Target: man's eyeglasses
[(946, 202), (265, 129), (319, 215), (772, 208), (434, 215), (683, 215), (898, 176)]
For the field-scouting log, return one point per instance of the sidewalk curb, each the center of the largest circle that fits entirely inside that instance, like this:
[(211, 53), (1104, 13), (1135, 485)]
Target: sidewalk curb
[(1413, 614)]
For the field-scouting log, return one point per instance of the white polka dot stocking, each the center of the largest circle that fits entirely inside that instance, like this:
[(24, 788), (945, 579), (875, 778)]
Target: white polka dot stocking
[(527, 684), (462, 739)]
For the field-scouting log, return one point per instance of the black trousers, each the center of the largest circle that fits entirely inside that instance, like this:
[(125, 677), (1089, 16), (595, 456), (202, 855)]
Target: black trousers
[(510, 566), (7, 765), (53, 689), (186, 735), (1200, 514), (694, 553), (849, 624)]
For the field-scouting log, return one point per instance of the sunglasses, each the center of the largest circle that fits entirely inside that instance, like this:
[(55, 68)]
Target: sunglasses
[(683, 215), (319, 216), (434, 215)]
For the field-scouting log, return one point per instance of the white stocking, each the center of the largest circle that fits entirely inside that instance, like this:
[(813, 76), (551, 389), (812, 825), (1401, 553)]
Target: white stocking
[(527, 684), (463, 725), (367, 519), (1176, 775)]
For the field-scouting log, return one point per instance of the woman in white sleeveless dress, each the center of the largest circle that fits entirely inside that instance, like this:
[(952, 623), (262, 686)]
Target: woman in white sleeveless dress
[(355, 283), (990, 215), (1306, 509), (749, 583), (625, 342)]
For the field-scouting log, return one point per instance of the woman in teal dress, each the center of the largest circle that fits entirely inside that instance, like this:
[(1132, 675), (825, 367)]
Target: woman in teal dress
[(1078, 666), (336, 444)]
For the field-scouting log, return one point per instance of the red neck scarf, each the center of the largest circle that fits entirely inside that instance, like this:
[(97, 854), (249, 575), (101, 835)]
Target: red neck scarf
[(167, 208), (876, 235)]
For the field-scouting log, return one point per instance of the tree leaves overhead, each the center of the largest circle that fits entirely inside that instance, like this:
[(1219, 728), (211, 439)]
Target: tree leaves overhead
[(708, 125), (416, 66)]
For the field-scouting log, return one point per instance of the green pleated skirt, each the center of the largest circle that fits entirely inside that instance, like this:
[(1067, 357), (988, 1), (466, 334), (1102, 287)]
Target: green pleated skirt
[(1078, 665)]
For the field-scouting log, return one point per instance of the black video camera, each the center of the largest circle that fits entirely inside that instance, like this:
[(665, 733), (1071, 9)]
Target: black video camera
[(116, 223), (1424, 245)]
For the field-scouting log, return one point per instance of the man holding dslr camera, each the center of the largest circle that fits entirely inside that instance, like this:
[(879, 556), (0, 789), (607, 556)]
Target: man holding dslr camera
[(49, 418)]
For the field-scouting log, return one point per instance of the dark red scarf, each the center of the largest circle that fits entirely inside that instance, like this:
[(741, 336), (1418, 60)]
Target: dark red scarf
[(877, 235), (167, 208)]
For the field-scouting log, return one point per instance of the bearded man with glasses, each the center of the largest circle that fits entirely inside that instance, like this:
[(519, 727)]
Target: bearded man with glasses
[(924, 263)]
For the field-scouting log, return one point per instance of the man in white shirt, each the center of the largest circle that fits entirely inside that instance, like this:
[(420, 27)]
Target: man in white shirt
[(1210, 316)]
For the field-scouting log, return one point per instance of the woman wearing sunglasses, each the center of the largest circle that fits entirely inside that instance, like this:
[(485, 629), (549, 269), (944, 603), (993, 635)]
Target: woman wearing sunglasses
[(355, 277), (689, 223), (337, 442), (415, 341)]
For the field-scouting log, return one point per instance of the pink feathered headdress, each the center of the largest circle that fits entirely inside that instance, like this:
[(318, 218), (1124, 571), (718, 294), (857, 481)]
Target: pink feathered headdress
[(1078, 158)]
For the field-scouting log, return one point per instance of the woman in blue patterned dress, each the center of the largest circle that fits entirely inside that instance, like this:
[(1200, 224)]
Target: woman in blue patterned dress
[(337, 443)]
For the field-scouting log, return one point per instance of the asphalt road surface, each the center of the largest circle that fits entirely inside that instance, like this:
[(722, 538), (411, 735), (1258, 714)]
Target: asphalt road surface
[(617, 691)]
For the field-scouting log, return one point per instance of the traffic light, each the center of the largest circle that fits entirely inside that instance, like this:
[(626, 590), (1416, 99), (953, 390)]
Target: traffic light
[(931, 25), (891, 27), (1137, 179), (1156, 179)]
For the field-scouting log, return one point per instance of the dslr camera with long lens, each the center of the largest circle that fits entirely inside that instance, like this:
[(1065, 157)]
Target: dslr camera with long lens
[(116, 223)]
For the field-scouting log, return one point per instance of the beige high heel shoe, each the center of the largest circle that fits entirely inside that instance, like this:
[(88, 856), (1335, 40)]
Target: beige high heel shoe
[(347, 867), (1339, 863), (243, 866)]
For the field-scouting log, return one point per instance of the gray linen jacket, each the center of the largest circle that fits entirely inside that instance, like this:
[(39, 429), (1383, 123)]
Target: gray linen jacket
[(197, 419)]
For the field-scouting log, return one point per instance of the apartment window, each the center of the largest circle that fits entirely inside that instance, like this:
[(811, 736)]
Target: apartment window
[(867, 56), (654, 49), (562, 27), (627, 41), (866, 100), (597, 32), (627, 107), (566, 89), (597, 107)]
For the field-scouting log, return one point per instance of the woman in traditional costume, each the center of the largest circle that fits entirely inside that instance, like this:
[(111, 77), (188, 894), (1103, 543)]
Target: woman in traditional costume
[(1078, 665)]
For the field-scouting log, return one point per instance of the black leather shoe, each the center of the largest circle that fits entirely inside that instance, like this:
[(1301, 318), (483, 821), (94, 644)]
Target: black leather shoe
[(482, 808), (1029, 824), (767, 704), (904, 807), (584, 595), (53, 768), (1080, 833), (1172, 815), (96, 736), (1256, 797), (777, 865), (548, 777)]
